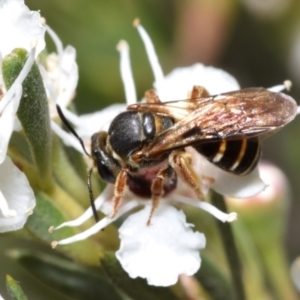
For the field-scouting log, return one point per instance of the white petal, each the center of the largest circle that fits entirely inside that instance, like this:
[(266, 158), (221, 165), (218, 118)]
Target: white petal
[(226, 183), (162, 251), (179, 83), (19, 196), (67, 138), (19, 27), (68, 78), (7, 121), (60, 74), (100, 120)]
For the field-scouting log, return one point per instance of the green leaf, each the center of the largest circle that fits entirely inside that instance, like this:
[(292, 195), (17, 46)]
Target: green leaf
[(14, 289), (213, 281), (33, 111), (66, 174), (136, 289), (65, 276)]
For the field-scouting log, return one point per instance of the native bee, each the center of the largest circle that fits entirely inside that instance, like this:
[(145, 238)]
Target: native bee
[(144, 148)]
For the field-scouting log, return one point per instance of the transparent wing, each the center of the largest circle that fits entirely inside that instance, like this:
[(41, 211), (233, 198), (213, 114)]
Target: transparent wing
[(244, 113)]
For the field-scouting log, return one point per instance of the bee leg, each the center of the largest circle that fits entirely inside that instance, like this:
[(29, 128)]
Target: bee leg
[(119, 191), (181, 162), (157, 190), (151, 97), (199, 92)]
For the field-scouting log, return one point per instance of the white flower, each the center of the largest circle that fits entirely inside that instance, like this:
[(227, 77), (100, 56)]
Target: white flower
[(155, 252), (168, 247), (15, 191), (179, 83), (19, 28), (60, 74)]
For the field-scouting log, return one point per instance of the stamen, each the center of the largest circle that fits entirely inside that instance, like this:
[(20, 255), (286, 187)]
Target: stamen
[(48, 84), (19, 80), (56, 40), (85, 216), (29, 211), (98, 226), (153, 59), (8, 213), (287, 84), (43, 21), (126, 73), (12, 213), (208, 208), (33, 43)]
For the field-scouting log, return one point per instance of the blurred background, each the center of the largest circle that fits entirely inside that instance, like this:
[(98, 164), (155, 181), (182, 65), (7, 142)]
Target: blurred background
[(258, 42)]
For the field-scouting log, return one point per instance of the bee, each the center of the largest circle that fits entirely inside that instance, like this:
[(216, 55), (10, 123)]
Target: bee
[(144, 148)]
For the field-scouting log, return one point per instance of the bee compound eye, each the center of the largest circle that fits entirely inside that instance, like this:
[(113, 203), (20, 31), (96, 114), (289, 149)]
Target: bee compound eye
[(105, 172), (107, 166)]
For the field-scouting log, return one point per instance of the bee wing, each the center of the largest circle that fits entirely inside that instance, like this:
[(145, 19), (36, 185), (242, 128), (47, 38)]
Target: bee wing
[(244, 113)]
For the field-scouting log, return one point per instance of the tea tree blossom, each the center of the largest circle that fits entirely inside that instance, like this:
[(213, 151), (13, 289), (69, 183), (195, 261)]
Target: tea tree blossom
[(19, 28), (169, 246), (60, 74)]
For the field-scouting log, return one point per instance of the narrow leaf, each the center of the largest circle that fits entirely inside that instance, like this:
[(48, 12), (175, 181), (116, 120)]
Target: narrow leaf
[(33, 111), (213, 281), (65, 276), (14, 289), (136, 289)]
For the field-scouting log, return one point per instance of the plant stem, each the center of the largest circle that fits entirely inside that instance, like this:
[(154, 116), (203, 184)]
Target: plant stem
[(230, 250)]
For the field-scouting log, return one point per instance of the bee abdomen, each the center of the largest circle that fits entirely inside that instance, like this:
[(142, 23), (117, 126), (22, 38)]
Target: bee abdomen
[(235, 156)]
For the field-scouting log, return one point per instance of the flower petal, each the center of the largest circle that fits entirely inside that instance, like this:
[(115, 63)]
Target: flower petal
[(179, 83), (162, 251), (18, 194), (19, 27), (7, 121), (100, 120)]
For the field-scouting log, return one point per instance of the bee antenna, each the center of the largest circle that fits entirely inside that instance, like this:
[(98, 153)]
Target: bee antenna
[(71, 129), (89, 183)]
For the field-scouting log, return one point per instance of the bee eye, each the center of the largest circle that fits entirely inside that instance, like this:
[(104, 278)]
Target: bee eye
[(107, 166), (105, 172)]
